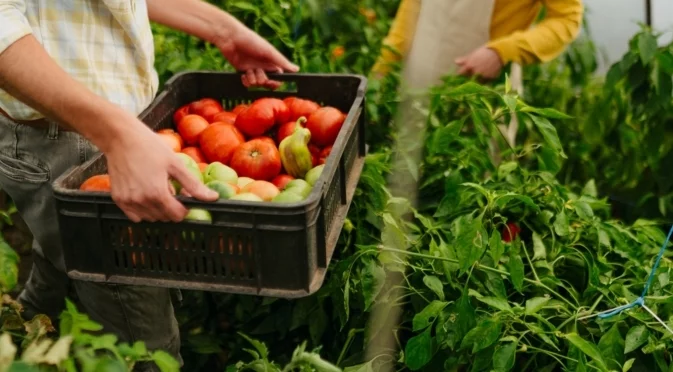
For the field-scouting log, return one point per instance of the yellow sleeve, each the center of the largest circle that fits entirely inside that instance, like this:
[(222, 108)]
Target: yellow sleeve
[(546, 40), (399, 36)]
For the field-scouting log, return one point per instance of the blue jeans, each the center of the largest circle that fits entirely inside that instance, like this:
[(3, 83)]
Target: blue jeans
[(31, 159)]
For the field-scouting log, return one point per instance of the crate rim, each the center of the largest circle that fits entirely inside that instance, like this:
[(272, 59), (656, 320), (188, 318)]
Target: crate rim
[(310, 202)]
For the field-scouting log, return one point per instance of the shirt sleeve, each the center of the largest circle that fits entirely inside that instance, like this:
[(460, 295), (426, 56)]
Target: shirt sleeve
[(400, 35), (14, 22), (546, 40)]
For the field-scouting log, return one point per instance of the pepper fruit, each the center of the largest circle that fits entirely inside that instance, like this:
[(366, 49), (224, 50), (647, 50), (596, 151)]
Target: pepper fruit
[(294, 152)]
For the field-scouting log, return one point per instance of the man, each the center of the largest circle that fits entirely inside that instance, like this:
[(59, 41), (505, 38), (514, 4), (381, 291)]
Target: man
[(476, 37), (74, 76)]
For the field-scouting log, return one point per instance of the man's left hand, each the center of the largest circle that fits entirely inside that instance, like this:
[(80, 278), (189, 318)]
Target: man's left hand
[(249, 52), (483, 62)]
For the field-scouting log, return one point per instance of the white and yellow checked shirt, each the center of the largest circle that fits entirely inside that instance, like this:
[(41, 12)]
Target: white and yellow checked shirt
[(106, 45)]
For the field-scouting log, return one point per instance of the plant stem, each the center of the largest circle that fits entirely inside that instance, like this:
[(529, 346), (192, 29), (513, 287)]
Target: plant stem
[(347, 344)]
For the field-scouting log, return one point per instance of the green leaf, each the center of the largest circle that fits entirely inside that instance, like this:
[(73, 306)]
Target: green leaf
[(504, 357), (165, 361), (428, 315), (635, 338), (435, 285), (461, 319), (9, 269), (497, 303), (516, 272), (497, 247), (590, 189), (482, 336), (444, 136), (372, 277), (502, 201), (587, 348), (469, 240), (611, 346), (510, 102), (628, 364), (549, 113), (540, 251), (535, 304), (549, 134), (561, 226), (418, 350), (584, 210), (647, 47), (469, 88)]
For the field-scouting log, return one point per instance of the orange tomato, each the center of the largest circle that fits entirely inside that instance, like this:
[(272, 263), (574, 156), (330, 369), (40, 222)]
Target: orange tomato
[(264, 189), (202, 166), (194, 153), (224, 117), (99, 182), (172, 139), (190, 128), (180, 113), (219, 141)]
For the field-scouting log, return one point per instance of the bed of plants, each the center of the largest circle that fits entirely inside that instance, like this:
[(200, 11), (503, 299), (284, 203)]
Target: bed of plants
[(497, 266)]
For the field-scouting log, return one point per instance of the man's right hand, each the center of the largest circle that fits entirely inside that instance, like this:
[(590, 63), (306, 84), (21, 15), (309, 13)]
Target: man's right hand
[(140, 165)]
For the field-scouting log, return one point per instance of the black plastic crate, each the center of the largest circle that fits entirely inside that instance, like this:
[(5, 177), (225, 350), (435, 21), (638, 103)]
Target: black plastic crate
[(267, 249)]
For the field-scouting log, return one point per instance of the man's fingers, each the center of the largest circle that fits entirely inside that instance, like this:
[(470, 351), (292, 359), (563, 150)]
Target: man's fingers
[(251, 77), (465, 70), (260, 76), (190, 184), (279, 60), (460, 60)]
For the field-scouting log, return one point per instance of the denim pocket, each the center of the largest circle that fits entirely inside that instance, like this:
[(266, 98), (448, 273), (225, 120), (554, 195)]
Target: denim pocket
[(24, 168)]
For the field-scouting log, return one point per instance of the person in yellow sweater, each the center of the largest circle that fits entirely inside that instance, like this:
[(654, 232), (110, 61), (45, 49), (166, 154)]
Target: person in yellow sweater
[(476, 37)]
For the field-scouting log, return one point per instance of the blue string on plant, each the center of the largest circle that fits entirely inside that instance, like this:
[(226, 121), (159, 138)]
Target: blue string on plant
[(640, 301)]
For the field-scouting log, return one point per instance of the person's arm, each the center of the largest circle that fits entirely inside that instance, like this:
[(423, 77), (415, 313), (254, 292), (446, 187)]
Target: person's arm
[(242, 47), (546, 40), (399, 36), (139, 163)]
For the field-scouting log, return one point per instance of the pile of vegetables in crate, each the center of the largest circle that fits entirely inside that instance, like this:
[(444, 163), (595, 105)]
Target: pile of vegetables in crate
[(270, 150), (496, 266)]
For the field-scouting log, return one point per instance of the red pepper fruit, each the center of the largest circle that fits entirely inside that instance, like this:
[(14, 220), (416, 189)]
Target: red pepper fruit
[(510, 232)]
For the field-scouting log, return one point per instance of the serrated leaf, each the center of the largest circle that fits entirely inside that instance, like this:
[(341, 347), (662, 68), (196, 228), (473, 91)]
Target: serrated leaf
[(540, 251), (435, 285), (535, 304), (428, 315), (635, 338), (495, 302)]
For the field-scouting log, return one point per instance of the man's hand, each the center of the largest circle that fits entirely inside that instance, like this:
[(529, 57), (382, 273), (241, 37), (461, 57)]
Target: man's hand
[(483, 62), (249, 52)]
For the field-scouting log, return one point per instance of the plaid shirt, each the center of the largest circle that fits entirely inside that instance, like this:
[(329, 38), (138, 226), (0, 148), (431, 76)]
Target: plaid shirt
[(106, 45)]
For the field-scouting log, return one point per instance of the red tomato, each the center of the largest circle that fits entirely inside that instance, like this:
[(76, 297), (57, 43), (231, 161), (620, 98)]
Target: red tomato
[(287, 129), (224, 117), (510, 232), (239, 108), (281, 180), (324, 154), (266, 139), (194, 153), (261, 116), (264, 189), (301, 107), (190, 128), (257, 159), (180, 113), (209, 112), (219, 141), (197, 107), (315, 153), (324, 125), (173, 140), (202, 166)]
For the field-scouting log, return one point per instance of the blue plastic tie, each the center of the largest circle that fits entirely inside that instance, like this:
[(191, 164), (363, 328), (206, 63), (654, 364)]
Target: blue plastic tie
[(640, 301)]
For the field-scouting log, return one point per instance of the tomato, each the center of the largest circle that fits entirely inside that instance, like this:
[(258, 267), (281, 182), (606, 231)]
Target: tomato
[(190, 128), (261, 116), (239, 108), (301, 107), (281, 180), (202, 166), (209, 112), (100, 182), (324, 154), (264, 189), (174, 141), (197, 107), (325, 125), (180, 113), (219, 141), (315, 154), (194, 153), (266, 139), (257, 159), (287, 129), (224, 117), (510, 232)]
